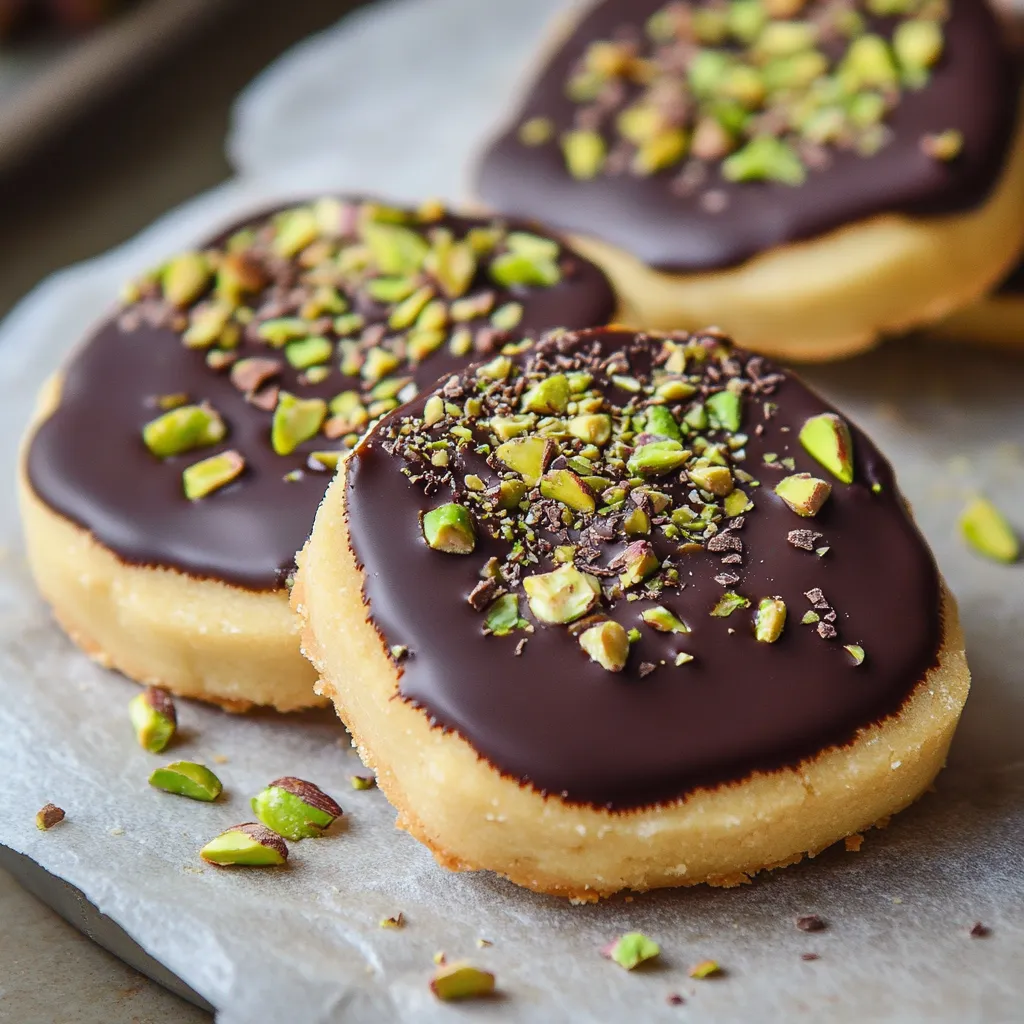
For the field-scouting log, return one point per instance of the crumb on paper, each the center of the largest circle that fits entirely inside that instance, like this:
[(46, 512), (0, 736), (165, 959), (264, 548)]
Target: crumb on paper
[(49, 816), (221, 759), (980, 931), (117, 831), (854, 843)]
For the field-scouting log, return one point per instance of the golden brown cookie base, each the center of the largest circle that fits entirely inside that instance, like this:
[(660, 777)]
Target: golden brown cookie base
[(473, 818), (996, 321)]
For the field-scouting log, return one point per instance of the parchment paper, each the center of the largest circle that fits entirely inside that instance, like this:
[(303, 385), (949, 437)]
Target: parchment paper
[(303, 944)]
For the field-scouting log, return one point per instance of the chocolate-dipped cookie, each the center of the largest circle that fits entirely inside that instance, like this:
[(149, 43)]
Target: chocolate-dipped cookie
[(997, 319), (176, 463), (808, 174), (630, 611)]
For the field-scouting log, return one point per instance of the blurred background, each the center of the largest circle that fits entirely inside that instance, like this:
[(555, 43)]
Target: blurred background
[(113, 111)]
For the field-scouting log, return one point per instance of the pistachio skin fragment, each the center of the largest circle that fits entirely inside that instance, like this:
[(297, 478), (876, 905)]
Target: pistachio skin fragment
[(295, 809), (461, 981), (985, 530), (632, 949), (607, 644), (561, 596), (185, 778), (803, 493), (48, 816), (249, 845), (728, 603), (362, 782), (770, 620), (154, 718), (449, 528), (827, 438)]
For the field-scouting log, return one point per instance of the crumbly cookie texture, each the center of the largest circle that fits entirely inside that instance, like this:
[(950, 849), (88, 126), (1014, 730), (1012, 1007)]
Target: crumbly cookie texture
[(175, 468), (656, 615), (769, 166)]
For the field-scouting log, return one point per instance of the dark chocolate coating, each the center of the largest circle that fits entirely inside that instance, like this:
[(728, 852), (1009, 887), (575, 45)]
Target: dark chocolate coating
[(974, 89), (553, 719), (1014, 284), (87, 461)]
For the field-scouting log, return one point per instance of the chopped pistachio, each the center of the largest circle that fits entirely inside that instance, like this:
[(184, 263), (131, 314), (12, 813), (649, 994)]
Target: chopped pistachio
[(661, 619), (295, 809), (183, 429), (987, 532), (585, 153), (48, 816), (716, 479), (726, 409), (185, 778), (770, 620), (736, 503), (637, 523), (295, 230), (525, 269), (154, 718), (561, 596), (362, 782), (657, 458), (209, 475), (408, 310), (248, 845), (497, 369), (661, 151), (536, 131), (632, 949), (728, 603), (396, 250), (868, 62), (461, 981), (594, 428), (944, 146), (185, 278), (856, 652), (607, 644), (827, 438), (511, 493), (503, 615), (636, 563), (661, 422), (527, 456), (550, 395), (682, 658), (565, 486), (208, 325), (433, 410), (452, 264), (449, 528), (379, 363), (765, 158), (295, 420), (280, 331), (803, 493), (918, 45), (705, 969), (308, 352)]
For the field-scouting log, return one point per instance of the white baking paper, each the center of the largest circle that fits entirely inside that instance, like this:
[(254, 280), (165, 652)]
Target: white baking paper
[(302, 944)]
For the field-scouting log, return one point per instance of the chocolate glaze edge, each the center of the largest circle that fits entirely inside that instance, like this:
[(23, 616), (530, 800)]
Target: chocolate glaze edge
[(980, 95), (635, 794)]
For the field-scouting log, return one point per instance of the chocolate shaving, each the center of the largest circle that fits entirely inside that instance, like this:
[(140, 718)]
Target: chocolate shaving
[(806, 540)]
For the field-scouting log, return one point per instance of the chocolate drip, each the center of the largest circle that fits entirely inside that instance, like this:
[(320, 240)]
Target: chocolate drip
[(87, 461), (547, 716), (973, 90)]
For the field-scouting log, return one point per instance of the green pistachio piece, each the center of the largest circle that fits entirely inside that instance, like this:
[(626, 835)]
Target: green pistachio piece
[(765, 158), (511, 493), (716, 479), (632, 949), (524, 269), (705, 969), (737, 502), (185, 278), (182, 430), (449, 528), (348, 323), (640, 123), (248, 845), (585, 152), (536, 131), (803, 493), (944, 146), (564, 486), (786, 38), (710, 25), (918, 45), (295, 230), (810, 618), (728, 603), (328, 459), (745, 85), (746, 19), (280, 331), (154, 718), (48, 816), (397, 251), (594, 428), (607, 644), (295, 809), (550, 395), (636, 563), (637, 523), (657, 458), (987, 532), (708, 71), (379, 362), (390, 289), (866, 109), (770, 620), (295, 420), (561, 596), (661, 619), (697, 417), (796, 72), (726, 409), (536, 247), (868, 63), (461, 981), (827, 438), (349, 406), (527, 456), (682, 658), (208, 475), (452, 264), (308, 352), (507, 427), (185, 778), (661, 151), (661, 422), (208, 324), (503, 615), (362, 782), (508, 317), (406, 312), (856, 652)]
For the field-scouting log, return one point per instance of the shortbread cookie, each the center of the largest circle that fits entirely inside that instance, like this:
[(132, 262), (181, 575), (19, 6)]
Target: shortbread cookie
[(175, 466), (807, 174), (628, 612), (997, 319)]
